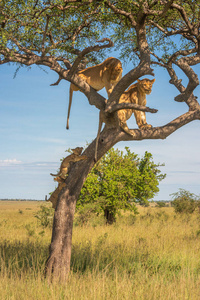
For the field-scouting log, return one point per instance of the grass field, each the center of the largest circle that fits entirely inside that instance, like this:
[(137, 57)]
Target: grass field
[(154, 255)]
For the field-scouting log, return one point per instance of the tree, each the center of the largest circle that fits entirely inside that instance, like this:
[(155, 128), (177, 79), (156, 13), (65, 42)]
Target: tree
[(184, 202), (62, 35), (120, 179)]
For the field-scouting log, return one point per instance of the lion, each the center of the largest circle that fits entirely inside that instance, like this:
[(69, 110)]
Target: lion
[(107, 74), (136, 94), (54, 196), (74, 157)]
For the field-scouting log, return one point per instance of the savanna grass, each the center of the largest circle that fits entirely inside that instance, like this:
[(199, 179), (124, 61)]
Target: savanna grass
[(154, 255)]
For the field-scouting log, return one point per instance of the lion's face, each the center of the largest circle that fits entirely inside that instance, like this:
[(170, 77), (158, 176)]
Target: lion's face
[(116, 72), (118, 68), (145, 85), (77, 150)]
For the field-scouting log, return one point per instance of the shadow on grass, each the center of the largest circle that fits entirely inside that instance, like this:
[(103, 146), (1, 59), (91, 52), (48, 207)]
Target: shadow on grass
[(30, 257), (22, 257)]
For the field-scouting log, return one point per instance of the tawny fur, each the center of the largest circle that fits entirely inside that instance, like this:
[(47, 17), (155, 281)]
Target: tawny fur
[(136, 94), (61, 176), (54, 196), (107, 74), (74, 157)]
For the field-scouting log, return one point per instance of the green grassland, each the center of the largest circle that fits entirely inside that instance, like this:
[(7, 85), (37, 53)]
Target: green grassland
[(153, 255)]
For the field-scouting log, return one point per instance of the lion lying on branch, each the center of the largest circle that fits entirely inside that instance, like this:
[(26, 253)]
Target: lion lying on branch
[(107, 74)]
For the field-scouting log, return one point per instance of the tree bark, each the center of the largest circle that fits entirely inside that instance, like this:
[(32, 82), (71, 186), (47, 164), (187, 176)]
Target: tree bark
[(58, 263), (110, 218)]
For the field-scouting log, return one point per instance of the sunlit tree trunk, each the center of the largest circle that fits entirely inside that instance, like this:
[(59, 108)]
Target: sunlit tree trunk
[(58, 263)]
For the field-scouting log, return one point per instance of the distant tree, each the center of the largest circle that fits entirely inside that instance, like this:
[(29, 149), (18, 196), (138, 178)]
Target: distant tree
[(184, 202), (120, 179)]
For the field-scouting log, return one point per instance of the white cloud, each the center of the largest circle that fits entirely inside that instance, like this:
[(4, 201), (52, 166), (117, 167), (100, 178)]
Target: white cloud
[(9, 162)]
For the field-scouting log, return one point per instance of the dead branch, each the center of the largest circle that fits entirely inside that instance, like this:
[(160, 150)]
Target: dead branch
[(57, 82), (113, 108)]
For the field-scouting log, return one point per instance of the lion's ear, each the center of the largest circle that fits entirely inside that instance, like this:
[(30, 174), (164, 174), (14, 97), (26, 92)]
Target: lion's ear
[(153, 80), (138, 80)]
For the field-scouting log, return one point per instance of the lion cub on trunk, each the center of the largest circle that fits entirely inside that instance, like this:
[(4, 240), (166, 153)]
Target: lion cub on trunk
[(62, 174), (74, 157), (107, 74), (54, 196)]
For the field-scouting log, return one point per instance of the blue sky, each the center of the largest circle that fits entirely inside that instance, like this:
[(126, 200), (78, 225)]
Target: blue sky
[(33, 135)]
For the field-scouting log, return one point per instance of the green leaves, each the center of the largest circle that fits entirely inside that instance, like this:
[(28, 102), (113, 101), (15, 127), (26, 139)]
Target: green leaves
[(64, 28), (118, 180), (50, 25), (184, 202)]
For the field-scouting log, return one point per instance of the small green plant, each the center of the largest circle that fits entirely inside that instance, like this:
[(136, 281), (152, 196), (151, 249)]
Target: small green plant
[(30, 230), (198, 233), (86, 212), (184, 202), (160, 204), (20, 211), (45, 216)]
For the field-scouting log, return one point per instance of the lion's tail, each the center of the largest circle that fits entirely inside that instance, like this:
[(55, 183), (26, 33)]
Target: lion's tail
[(70, 103), (97, 138), (54, 174)]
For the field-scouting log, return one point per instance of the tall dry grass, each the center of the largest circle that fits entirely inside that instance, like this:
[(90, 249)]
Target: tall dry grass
[(154, 255)]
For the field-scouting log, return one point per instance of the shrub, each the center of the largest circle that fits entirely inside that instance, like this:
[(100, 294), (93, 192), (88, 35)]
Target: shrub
[(85, 213), (45, 216), (30, 230), (160, 204), (184, 202)]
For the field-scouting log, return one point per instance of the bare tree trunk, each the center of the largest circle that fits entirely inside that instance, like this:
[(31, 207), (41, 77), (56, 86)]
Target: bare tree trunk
[(110, 217), (58, 263)]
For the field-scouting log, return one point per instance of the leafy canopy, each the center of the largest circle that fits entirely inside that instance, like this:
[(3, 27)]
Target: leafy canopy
[(119, 179), (63, 28)]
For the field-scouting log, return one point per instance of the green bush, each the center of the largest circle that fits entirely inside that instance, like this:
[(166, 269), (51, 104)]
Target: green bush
[(118, 181), (45, 216), (86, 213), (160, 204), (184, 202)]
